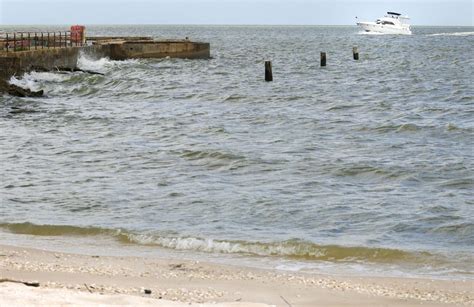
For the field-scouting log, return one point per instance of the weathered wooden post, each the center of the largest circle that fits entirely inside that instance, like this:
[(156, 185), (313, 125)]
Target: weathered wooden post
[(268, 71), (323, 59), (355, 53), (7, 43)]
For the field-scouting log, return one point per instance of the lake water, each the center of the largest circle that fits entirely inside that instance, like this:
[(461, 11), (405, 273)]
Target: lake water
[(361, 166)]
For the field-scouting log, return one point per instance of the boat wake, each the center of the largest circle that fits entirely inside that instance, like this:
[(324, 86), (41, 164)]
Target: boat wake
[(371, 33), (453, 34)]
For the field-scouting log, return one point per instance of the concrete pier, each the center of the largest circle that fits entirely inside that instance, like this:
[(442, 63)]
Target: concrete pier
[(157, 49), (18, 63), (122, 48)]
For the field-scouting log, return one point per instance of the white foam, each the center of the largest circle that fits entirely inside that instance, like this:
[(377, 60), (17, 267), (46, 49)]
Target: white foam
[(87, 63), (291, 267), (453, 34), (205, 245), (25, 82), (31, 80), (224, 247), (100, 65)]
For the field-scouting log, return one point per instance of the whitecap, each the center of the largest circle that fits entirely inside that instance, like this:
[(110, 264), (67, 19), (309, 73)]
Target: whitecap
[(33, 79), (101, 65), (87, 63)]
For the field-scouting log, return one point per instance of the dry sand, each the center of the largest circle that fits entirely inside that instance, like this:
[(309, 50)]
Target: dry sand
[(67, 279)]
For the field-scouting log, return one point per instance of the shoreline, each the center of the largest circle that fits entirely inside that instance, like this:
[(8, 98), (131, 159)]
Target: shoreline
[(123, 279)]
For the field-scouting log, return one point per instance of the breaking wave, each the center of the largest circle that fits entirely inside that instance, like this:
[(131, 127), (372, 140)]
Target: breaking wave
[(31, 80), (293, 249), (87, 62)]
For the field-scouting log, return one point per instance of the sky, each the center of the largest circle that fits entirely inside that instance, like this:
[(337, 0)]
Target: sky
[(230, 12)]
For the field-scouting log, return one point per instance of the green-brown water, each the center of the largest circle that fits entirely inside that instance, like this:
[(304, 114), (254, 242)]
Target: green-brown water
[(362, 165)]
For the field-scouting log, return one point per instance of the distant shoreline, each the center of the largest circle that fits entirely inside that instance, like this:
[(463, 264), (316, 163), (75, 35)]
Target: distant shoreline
[(224, 25)]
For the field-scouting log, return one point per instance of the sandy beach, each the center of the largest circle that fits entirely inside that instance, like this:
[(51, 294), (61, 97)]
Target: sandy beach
[(98, 280)]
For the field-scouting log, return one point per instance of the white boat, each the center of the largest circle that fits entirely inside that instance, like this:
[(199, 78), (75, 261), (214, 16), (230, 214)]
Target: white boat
[(392, 23)]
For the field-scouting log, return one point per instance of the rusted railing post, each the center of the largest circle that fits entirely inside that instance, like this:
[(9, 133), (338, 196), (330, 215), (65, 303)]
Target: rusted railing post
[(21, 43), (36, 41), (29, 41), (48, 40), (7, 43), (14, 41)]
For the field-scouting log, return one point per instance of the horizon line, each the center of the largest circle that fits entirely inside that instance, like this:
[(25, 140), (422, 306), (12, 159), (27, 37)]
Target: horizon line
[(232, 24)]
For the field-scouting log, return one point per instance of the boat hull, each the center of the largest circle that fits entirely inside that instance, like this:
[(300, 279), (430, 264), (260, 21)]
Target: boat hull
[(383, 29)]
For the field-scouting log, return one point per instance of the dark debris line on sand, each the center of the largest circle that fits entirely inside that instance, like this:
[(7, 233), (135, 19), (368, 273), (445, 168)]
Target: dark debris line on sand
[(26, 283)]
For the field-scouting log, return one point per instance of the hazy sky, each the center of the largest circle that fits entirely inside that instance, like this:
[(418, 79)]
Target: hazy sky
[(284, 12)]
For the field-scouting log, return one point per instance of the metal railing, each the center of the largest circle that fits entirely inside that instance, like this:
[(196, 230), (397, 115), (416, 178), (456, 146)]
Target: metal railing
[(22, 41)]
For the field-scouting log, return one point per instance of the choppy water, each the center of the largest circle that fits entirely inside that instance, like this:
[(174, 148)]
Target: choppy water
[(364, 164)]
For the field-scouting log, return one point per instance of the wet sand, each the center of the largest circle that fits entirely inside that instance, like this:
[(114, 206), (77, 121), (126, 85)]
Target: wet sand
[(93, 280)]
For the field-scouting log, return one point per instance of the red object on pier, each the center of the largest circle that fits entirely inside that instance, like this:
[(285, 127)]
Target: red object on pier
[(78, 34)]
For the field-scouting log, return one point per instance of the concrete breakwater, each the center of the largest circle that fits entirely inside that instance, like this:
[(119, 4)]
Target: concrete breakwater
[(122, 49), (16, 63)]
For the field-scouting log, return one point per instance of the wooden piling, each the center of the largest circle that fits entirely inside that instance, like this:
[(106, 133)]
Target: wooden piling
[(323, 59), (355, 53), (268, 71)]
